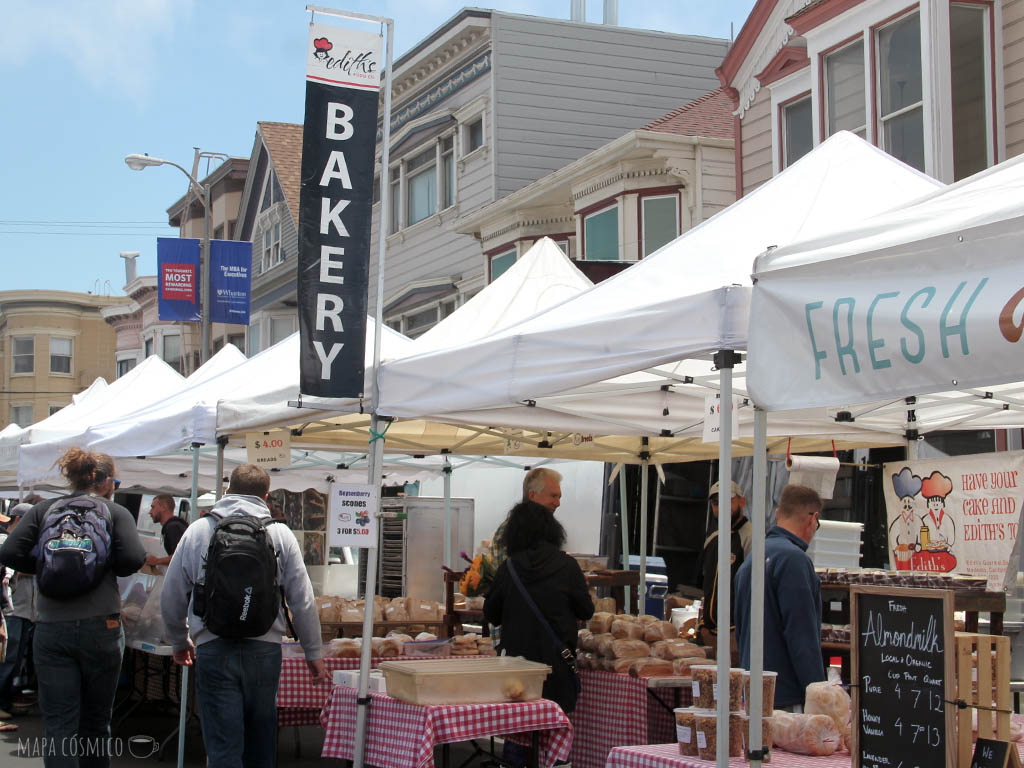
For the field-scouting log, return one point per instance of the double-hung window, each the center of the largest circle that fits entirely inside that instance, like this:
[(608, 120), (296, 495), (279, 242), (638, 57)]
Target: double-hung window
[(24, 357), (60, 355), (797, 130), (844, 90), (900, 91), (422, 184)]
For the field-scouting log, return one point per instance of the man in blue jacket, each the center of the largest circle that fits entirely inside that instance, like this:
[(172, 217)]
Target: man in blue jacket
[(792, 600)]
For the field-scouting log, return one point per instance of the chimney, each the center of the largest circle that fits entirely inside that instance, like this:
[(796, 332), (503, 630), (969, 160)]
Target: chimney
[(129, 265), (578, 10), (611, 12)]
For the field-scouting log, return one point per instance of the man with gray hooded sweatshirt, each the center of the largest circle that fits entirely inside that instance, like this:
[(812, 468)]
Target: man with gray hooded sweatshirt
[(236, 678)]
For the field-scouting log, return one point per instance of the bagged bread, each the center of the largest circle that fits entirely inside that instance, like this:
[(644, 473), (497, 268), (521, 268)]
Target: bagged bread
[(600, 623), (604, 605), (421, 610), (425, 636), (645, 618), (603, 643), (389, 648), (396, 612), (651, 667), (625, 630), (583, 637), (682, 666), (619, 665), (343, 648), (830, 699), (629, 649), (805, 734), (677, 649), (660, 630), (485, 646)]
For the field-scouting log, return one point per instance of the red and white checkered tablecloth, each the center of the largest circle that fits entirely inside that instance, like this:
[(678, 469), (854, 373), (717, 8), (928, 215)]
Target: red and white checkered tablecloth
[(402, 735), (667, 756), (614, 710)]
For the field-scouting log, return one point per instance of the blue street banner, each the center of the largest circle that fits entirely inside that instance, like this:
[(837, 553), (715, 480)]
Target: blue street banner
[(177, 265), (230, 281), (338, 141)]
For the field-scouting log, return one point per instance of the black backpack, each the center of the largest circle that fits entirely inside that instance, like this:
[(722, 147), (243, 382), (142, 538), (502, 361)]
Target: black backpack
[(241, 596)]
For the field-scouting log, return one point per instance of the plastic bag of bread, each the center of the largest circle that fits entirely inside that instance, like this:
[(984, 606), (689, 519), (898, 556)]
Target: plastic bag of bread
[(600, 623), (425, 636), (651, 667), (660, 630), (604, 605), (682, 666), (465, 645), (396, 612), (389, 647), (603, 643), (619, 665), (421, 610), (608, 665), (805, 734), (625, 630), (343, 648), (583, 637), (645, 618), (485, 646), (677, 649), (629, 649), (829, 698)]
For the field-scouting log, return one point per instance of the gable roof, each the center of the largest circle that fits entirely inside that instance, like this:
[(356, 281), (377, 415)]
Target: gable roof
[(709, 116), (284, 143)]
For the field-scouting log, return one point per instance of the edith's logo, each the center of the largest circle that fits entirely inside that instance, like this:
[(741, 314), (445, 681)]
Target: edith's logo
[(351, 62), (1012, 331)]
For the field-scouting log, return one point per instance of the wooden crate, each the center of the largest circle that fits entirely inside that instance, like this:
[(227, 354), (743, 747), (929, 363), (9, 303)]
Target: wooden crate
[(983, 680)]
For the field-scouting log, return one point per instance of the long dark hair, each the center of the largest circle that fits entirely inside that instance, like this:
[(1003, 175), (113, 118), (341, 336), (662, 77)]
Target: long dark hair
[(528, 523)]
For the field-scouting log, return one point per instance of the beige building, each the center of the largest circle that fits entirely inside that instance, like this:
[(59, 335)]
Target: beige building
[(53, 344)]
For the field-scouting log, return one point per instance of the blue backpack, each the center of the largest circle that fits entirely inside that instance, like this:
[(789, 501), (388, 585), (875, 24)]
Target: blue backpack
[(73, 549)]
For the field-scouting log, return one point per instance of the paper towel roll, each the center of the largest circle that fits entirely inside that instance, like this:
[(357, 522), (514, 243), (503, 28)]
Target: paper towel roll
[(817, 472)]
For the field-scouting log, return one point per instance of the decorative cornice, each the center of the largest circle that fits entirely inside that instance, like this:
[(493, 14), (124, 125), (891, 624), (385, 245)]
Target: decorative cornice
[(452, 49), (787, 61), (607, 181), (527, 222), (450, 86)]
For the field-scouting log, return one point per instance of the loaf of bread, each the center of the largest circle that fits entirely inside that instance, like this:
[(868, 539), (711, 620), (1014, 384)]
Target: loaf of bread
[(651, 667), (625, 630), (396, 612), (604, 605), (620, 665), (660, 630), (646, 618), (583, 637), (600, 623), (625, 649), (677, 649), (603, 644), (682, 666), (421, 610)]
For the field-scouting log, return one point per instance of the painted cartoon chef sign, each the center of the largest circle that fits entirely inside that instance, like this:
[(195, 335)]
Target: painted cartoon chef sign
[(958, 514)]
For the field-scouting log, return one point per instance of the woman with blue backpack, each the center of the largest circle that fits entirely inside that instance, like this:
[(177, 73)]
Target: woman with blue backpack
[(76, 546)]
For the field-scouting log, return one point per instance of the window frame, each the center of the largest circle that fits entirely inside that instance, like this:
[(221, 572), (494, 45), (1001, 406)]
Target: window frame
[(179, 366), (586, 215), (118, 363), (70, 357), (878, 120), (512, 251), (15, 355), (642, 199), (445, 180), (398, 321), (467, 132), (823, 91), (991, 79), (806, 95), (18, 406)]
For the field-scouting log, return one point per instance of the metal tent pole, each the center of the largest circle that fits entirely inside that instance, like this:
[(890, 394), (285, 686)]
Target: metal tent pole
[(645, 456), (724, 361), (624, 526), (447, 512), (759, 517), (219, 486)]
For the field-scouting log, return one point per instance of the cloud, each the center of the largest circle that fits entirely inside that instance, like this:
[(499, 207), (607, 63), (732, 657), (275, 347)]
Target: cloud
[(108, 45)]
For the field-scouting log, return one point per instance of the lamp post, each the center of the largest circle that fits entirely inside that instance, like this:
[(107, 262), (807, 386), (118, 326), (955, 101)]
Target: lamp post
[(141, 162)]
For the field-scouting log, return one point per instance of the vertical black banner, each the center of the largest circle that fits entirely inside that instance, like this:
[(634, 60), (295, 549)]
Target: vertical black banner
[(338, 142)]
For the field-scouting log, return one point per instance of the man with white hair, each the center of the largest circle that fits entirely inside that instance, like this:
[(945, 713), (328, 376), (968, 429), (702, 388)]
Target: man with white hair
[(540, 485)]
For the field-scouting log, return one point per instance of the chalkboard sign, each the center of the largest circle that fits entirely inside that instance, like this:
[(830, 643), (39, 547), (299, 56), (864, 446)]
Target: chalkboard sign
[(989, 753), (901, 660)]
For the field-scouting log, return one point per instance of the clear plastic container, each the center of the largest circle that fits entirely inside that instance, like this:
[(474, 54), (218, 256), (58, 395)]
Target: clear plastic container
[(766, 735), (767, 692), (482, 681), (686, 729), (705, 687), (708, 735)]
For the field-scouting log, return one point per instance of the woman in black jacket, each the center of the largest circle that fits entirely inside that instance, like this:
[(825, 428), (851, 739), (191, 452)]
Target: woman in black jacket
[(534, 540)]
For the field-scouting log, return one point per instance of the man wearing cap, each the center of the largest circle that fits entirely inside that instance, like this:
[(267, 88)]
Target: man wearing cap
[(20, 618), (740, 550)]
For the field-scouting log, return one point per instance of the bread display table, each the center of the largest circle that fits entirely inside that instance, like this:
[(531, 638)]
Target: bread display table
[(615, 710), (401, 735)]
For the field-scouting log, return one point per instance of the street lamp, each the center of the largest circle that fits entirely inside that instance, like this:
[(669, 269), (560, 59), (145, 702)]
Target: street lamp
[(141, 162)]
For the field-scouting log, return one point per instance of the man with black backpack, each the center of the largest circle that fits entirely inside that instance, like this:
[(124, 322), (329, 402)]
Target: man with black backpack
[(227, 578)]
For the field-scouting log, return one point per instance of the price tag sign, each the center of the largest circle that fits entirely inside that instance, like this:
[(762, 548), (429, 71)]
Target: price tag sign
[(352, 516), (902, 656), (269, 449)]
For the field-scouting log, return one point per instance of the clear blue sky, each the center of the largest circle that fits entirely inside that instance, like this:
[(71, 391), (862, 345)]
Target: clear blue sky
[(86, 83)]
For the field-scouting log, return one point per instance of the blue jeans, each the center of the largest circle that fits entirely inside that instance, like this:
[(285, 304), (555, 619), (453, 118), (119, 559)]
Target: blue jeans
[(236, 690), (18, 633), (77, 666)]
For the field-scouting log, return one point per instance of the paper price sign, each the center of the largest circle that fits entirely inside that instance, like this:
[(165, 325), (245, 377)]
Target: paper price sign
[(269, 449), (352, 520)]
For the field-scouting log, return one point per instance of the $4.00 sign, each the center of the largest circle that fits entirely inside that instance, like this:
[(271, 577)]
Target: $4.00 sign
[(353, 516), (269, 449)]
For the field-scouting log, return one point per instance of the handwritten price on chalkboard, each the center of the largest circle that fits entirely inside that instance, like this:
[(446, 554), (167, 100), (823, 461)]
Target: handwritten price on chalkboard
[(931, 734), (933, 700)]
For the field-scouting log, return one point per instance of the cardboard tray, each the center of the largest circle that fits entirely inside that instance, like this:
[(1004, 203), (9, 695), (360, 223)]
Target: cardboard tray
[(484, 681)]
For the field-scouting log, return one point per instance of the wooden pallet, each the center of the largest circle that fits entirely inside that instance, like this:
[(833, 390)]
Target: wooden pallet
[(983, 682)]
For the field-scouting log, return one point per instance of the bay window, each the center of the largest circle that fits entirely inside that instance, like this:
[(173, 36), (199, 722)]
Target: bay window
[(60, 355), (660, 219), (423, 184), (797, 130), (970, 61), (24, 357), (844, 90), (601, 235), (500, 263)]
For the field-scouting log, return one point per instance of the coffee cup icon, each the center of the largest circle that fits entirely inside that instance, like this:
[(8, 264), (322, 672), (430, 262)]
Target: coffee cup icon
[(142, 746)]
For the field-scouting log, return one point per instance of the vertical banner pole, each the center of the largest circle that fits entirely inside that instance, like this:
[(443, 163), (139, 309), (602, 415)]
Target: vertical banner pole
[(759, 515), (207, 301), (724, 362), (377, 446)]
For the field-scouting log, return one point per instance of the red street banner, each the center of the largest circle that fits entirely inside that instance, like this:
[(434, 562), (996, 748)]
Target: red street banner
[(177, 262), (335, 200)]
